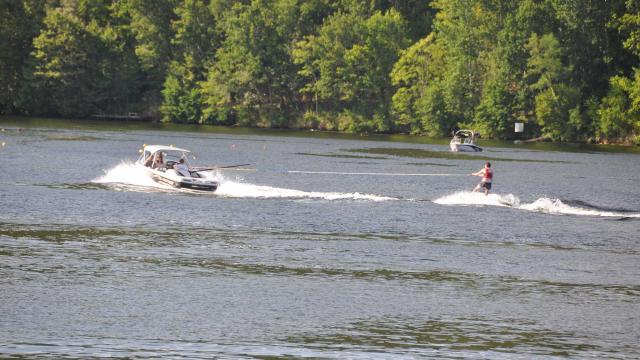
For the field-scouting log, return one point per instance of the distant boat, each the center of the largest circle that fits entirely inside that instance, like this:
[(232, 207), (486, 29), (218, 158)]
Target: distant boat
[(169, 165), (464, 140)]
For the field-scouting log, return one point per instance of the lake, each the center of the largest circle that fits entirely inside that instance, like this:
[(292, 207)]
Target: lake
[(326, 246)]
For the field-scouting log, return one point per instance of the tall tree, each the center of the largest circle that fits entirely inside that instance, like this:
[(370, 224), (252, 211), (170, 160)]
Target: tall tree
[(253, 80), (348, 63), (418, 104), (195, 42), (81, 64), (619, 112), (150, 24), (20, 24)]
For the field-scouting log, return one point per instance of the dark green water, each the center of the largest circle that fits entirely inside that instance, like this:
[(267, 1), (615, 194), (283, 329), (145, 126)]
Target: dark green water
[(329, 246)]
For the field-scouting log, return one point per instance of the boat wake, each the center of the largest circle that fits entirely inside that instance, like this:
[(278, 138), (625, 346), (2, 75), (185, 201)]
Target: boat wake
[(127, 173), (476, 198), (128, 176), (238, 189), (542, 205)]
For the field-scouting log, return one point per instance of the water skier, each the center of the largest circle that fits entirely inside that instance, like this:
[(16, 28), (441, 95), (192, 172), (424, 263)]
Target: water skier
[(487, 175)]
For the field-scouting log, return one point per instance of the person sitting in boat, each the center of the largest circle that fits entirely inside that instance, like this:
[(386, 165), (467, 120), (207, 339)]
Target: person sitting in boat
[(487, 176), (148, 161), (182, 169), (158, 163)]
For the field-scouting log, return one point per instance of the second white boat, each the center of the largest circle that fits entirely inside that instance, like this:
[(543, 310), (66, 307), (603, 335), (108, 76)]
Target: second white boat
[(464, 140)]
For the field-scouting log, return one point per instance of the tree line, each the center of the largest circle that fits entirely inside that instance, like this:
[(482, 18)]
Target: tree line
[(567, 69)]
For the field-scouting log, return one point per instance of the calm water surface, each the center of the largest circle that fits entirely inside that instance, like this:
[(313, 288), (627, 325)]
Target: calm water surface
[(326, 247)]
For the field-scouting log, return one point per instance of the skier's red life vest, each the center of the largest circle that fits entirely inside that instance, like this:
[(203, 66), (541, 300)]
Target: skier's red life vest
[(488, 175)]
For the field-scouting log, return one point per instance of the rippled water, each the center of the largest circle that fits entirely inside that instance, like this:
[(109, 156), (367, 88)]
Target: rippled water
[(325, 247)]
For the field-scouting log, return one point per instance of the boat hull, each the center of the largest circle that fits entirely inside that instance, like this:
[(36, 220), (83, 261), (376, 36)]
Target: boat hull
[(171, 178), (204, 187), (465, 148)]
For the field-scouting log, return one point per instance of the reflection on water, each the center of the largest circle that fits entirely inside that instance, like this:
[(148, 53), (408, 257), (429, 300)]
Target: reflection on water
[(145, 246), (451, 338), (72, 138)]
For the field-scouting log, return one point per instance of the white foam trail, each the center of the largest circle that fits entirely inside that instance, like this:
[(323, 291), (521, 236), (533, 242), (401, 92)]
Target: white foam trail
[(478, 198), (555, 206), (237, 189), (130, 174), (543, 205), (369, 173), (127, 173)]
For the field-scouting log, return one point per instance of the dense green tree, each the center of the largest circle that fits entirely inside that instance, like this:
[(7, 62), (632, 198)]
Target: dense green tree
[(629, 25), (418, 104), (81, 67), (475, 69), (195, 42), (619, 112), (182, 98), (254, 80), (620, 109), (150, 24), (554, 97), (20, 24), (348, 66), (567, 68), (418, 15)]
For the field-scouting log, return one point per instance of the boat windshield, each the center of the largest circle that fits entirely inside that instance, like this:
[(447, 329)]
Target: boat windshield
[(166, 158), (173, 157)]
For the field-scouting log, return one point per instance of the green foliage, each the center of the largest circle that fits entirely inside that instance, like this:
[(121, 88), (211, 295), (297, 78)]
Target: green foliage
[(195, 42), (557, 104), (19, 25), (182, 100), (418, 104), (492, 115), (630, 24), (568, 68), (620, 110), (149, 21), (253, 78), (347, 66), (553, 111), (84, 67)]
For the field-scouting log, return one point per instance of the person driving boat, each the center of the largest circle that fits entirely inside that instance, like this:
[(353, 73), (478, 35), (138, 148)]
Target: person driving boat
[(182, 169)]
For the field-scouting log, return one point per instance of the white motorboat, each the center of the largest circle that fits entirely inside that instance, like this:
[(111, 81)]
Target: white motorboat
[(170, 165), (464, 140)]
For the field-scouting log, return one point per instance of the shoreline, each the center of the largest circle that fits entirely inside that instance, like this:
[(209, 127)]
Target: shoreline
[(142, 122)]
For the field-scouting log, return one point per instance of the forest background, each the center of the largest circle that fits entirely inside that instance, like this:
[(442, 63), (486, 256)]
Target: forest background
[(568, 69)]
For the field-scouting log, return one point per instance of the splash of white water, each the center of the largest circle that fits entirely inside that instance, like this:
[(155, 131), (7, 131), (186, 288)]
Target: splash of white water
[(127, 173), (237, 189), (543, 205), (555, 206), (478, 198), (130, 174)]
